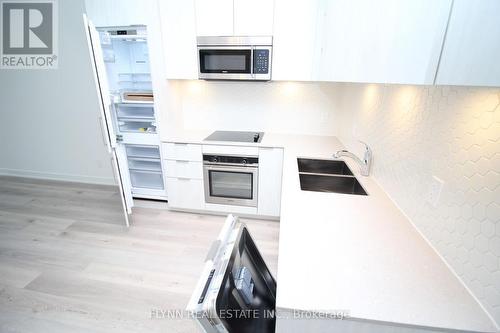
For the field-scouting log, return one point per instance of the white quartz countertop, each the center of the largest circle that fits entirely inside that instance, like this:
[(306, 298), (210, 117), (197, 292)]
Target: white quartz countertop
[(358, 253)]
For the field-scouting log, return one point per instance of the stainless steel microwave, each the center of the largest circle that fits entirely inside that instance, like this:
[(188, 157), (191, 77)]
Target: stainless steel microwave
[(235, 58)]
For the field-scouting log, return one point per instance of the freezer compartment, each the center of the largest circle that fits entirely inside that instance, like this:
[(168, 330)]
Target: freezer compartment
[(143, 151), (136, 125), (235, 280), (146, 179)]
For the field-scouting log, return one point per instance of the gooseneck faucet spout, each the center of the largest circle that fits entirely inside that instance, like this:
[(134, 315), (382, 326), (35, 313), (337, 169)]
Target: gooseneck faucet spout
[(365, 164)]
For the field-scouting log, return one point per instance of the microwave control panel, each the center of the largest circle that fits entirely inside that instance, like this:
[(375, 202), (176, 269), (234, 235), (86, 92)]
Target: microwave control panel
[(261, 62)]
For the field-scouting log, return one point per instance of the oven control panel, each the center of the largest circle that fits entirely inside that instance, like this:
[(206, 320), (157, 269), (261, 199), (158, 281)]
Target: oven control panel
[(261, 61)]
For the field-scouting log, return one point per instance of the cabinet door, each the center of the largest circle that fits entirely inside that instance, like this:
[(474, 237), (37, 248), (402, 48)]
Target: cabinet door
[(385, 41), (270, 174), (185, 193), (214, 17), (179, 39), (118, 158), (253, 17), (119, 12), (471, 50), (295, 50)]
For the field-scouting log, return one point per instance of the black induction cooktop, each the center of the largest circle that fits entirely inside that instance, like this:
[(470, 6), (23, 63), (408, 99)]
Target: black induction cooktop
[(235, 136)]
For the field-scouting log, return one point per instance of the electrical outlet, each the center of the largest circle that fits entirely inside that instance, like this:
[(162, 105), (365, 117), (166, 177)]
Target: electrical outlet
[(435, 189)]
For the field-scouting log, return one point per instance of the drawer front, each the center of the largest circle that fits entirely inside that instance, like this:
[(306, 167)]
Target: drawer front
[(231, 150), (185, 193), (184, 169), (182, 151)]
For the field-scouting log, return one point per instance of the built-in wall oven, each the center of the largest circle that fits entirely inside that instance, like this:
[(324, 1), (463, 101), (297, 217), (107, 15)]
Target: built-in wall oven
[(231, 180), (235, 58)]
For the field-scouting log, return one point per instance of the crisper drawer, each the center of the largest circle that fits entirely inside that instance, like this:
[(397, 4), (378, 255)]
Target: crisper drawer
[(182, 151), (137, 125), (184, 169), (144, 164), (131, 110), (146, 179), (143, 151)]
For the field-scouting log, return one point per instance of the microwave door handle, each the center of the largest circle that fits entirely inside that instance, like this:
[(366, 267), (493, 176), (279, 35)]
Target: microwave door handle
[(252, 55)]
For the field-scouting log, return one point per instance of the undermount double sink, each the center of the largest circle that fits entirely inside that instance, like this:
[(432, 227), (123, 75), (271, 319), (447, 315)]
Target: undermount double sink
[(328, 176)]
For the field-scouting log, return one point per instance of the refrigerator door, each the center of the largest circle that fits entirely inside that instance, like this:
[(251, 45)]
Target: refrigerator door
[(236, 291), (117, 157)]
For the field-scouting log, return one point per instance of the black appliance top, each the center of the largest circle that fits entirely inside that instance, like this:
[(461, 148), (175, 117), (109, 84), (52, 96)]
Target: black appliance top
[(235, 136)]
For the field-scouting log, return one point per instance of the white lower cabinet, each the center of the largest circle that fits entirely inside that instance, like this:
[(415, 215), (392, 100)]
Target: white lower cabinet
[(184, 171), (185, 182), (185, 193), (270, 175)]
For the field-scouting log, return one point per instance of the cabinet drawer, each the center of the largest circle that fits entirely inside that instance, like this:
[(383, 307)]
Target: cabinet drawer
[(185, 193), (184, 169), (182, 151)]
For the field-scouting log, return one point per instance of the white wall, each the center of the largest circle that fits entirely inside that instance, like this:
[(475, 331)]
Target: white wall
[(454, 134), (282, 107), (49, 118)]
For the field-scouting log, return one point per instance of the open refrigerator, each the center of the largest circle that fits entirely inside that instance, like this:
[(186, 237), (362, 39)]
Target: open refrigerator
[(122, 73)]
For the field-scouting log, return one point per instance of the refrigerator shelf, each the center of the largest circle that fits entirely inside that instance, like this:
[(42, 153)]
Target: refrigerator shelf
[(135, 104), (138, 118)]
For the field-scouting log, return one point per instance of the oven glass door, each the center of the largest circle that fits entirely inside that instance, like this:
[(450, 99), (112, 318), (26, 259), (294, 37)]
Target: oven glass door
[(231, 61), (229, 185)]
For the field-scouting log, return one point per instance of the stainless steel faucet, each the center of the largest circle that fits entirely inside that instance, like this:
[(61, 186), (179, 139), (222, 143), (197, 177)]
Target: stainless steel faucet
[(364, 165)]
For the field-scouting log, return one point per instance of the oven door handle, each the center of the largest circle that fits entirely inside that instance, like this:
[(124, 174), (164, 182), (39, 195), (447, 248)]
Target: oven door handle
[(219, 165)]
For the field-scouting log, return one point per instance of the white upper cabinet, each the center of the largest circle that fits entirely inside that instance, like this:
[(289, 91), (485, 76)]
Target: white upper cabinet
[(179, 39), (295, 48), (253, 17), (384, 41), (234, 17), (214, 17), (471, 53), (119, 12)]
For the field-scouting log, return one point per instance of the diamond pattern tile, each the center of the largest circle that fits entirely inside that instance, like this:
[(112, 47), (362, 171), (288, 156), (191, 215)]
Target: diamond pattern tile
[(449, 132)]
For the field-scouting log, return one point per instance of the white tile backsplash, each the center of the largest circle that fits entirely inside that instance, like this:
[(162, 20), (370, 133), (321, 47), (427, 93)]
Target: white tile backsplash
[(452, 133), (283, 107)]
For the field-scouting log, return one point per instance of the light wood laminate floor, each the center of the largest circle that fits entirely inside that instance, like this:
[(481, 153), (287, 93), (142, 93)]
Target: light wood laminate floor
[(67, 263)]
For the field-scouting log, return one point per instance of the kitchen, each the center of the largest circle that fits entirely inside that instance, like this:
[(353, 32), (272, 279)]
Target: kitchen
[(359, 142)]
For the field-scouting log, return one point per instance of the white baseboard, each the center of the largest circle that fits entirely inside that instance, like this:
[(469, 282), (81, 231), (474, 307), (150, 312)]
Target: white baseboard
[(57, 176)]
